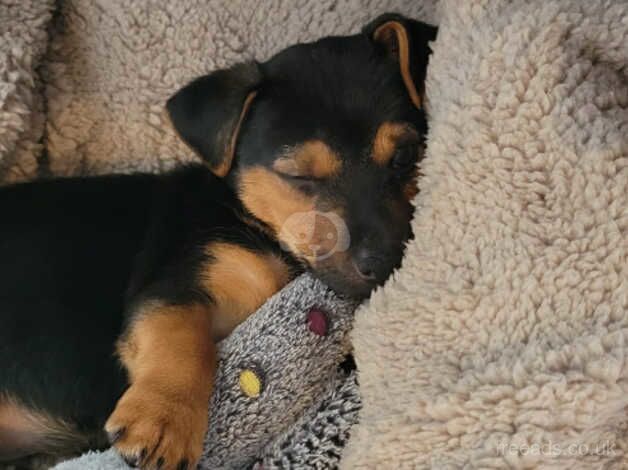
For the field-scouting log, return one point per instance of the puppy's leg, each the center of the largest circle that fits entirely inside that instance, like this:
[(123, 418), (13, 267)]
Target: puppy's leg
[(161, 419)]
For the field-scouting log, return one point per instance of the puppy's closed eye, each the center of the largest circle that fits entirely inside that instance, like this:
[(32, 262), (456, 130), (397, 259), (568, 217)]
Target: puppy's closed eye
[(298, 177), (288, 166), (405, 157)]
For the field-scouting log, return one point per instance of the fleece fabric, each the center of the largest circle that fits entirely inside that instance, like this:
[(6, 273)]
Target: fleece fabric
[(502, 341)]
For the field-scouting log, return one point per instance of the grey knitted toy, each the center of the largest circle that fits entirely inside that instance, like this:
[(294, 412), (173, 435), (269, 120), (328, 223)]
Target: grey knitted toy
[(318, 438), (281, 399)]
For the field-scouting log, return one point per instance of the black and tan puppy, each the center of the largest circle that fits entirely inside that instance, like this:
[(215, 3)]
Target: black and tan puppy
[(310, 163)]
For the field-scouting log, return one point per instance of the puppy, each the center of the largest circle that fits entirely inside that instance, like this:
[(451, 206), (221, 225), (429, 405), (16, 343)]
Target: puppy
[(309, 163)]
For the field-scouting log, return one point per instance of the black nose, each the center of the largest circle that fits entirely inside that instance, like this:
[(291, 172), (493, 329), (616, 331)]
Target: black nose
[(371, 267)]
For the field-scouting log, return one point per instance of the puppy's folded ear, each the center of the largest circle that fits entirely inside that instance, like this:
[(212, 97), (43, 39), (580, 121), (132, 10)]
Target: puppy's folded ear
[(208, 112), (407, 42)]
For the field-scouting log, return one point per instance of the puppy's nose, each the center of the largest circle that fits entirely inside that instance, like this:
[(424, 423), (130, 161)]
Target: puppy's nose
[(370, 267)]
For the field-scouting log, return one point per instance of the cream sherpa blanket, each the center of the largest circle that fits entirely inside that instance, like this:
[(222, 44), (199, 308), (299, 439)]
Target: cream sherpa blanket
[(23, 41), (503, 340), (112, 64)]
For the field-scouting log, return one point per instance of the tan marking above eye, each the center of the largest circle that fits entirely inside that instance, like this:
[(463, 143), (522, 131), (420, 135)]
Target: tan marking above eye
[(312, 159), (388, 137)]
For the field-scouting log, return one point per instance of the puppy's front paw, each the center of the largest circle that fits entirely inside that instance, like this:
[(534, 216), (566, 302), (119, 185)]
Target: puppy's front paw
[(153, 427)]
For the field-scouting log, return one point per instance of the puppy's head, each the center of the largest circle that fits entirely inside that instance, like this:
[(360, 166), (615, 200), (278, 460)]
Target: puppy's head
[(321, 144)]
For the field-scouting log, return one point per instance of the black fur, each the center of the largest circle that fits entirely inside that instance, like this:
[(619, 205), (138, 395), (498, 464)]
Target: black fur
[(206, 110), (77, 253)]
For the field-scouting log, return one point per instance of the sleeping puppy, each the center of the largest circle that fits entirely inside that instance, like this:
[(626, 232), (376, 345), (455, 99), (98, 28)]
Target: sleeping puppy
[(309, 164)]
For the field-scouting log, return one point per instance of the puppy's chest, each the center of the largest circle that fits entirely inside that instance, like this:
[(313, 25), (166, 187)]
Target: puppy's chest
[(239, 279)]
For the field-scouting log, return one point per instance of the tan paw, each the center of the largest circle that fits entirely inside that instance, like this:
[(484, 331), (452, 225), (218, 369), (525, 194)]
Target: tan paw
[(153, 428)]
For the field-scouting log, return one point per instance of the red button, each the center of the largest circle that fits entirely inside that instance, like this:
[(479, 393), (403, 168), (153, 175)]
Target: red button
[(317, 322)]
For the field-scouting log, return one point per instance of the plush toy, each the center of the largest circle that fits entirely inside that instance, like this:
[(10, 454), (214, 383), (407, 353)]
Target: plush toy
[(281, 398)]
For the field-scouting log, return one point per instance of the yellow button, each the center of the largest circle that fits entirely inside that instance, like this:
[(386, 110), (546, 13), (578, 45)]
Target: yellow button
[(250, 383)]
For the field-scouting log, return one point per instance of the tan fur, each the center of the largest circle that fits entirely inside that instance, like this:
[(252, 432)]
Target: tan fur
[(388, 137), (294, 217), (170, 355), (239, 281), (271, 199), (411, 188), (312, 159), (171, 359), (225, 165), (395, 36), (24, 431)]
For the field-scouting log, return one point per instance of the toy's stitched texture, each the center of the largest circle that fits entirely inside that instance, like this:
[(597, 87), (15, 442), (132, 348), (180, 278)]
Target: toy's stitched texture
[(298, 368), (318, 439), (503, 337)]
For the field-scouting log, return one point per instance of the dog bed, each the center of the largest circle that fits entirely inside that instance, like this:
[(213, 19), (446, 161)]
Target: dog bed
[(501, 342), (102, 78)]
